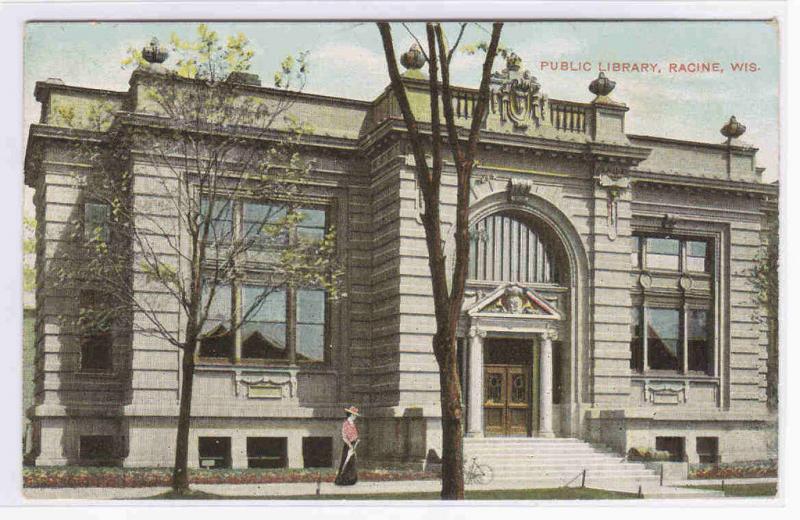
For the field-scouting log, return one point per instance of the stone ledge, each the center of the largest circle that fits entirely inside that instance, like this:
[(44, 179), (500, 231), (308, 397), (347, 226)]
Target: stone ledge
[(680, 414)]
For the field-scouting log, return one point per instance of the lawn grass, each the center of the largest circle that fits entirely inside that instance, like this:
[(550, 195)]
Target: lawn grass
[(499, 494), (744, 490)]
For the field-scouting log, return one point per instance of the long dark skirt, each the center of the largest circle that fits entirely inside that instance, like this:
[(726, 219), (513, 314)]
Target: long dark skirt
[(347, 475)]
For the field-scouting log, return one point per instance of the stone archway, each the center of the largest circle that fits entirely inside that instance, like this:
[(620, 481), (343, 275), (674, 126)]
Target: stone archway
[(574, 330)]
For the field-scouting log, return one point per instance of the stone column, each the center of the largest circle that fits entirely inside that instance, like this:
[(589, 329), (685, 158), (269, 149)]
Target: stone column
[(546, 385), (475, 396)]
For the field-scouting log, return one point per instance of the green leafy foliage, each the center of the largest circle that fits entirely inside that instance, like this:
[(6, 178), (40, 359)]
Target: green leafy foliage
[(472, 49)]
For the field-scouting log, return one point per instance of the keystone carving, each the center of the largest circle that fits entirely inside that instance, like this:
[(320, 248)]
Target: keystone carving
[(518, 191)]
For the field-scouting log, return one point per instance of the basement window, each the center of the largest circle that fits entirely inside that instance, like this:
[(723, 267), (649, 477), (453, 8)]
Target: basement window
[(97, 450), (317, 452), (215, 452), (676, 446), (708, 449), (266, 452)]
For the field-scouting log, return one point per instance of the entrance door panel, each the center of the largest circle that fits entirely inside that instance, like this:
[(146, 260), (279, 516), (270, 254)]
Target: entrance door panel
[(506, 408), (494, 405), (517, 405)]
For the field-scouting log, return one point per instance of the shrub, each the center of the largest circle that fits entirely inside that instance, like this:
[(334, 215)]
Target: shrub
[(647, 455), (750, 469), (73, 476)]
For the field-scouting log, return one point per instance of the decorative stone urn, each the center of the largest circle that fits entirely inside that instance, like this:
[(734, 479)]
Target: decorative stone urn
[(154, 52), (733, 129), (602, 86), (413, 59)]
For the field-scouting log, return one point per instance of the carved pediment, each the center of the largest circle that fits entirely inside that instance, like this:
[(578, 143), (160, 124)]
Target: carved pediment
[(514, 300)]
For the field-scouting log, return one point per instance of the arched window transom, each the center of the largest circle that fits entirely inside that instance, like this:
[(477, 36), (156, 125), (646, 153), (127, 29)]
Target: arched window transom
[(504, 247)]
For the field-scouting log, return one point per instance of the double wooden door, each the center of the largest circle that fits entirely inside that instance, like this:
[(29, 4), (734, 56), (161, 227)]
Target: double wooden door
[(507, 399)]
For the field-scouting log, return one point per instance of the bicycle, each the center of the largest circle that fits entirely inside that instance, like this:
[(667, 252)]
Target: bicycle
[(478, 473)]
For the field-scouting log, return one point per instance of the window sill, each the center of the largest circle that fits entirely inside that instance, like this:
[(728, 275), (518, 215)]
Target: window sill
[(252, 364), (671, 272), (104, 373), (673, 376)]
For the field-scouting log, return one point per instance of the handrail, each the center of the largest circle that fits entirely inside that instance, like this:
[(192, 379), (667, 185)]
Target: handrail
[(582, 474)]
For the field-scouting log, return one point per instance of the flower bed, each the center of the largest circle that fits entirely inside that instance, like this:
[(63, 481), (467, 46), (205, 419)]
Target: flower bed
[(72, 476), (752, 469)]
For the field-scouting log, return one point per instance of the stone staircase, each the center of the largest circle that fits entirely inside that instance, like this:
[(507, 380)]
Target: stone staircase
[(550, 463)]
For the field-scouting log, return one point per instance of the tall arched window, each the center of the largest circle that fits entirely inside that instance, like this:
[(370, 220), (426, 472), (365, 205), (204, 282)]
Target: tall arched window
[(504, 247)]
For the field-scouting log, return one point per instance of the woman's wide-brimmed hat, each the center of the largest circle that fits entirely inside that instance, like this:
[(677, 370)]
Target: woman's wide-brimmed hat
[(353, 410)]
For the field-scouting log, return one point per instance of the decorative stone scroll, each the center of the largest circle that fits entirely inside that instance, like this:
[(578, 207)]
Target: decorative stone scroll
[(615, 185)]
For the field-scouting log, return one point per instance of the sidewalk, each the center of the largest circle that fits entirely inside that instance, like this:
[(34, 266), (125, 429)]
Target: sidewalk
[(674, 489)]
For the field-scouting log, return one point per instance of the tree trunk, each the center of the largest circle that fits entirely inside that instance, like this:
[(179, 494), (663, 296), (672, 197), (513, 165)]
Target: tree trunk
[(180, 473), (452, 418)]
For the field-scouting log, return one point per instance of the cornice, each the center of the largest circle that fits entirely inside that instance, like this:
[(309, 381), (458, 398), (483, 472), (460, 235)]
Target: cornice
[(341, 144), (44, 86), (747, 149), (39, 132), (684, 181), (262, 90)]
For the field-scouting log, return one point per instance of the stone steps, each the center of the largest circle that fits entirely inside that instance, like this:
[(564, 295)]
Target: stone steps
[(540, 463)]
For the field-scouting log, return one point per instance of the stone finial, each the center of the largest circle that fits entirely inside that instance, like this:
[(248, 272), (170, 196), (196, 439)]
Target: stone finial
[(602, 86), (154, 52), (413, 59), (733, 129)]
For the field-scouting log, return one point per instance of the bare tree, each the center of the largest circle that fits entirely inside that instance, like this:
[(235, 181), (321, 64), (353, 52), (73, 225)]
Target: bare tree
[(447, 301), (205, 141)]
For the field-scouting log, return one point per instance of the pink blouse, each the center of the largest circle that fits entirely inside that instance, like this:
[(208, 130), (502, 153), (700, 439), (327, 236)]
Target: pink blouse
[(349, 432)]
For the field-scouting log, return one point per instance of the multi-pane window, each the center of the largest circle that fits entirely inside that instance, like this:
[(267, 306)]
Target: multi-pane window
[(264, 325), (96, 218), (258, 220), (637, 341), (662, 253), (506, 248), (310, 337), (268, 330), (217, 339), (285, 324), (697, 256), (668, 345), (664, 351), (221, 218), (671, 254), (95, 323), (700, 347), (673, 331)]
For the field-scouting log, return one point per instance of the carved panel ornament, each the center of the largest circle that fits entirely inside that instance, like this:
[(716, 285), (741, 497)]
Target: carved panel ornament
[(666, 392), (283, 385), (514, 93), (615, 186)]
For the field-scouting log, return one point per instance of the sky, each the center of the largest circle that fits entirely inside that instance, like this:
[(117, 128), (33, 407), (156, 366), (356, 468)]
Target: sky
[(346, 60)]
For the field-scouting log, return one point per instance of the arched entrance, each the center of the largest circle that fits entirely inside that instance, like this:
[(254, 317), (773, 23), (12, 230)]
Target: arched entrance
[(522, 323)]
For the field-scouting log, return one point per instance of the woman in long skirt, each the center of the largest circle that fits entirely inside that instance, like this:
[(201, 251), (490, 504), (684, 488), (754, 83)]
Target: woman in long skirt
[(347, 474)]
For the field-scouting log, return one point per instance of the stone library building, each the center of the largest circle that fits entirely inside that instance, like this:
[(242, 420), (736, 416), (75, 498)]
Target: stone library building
[(608, 306)]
